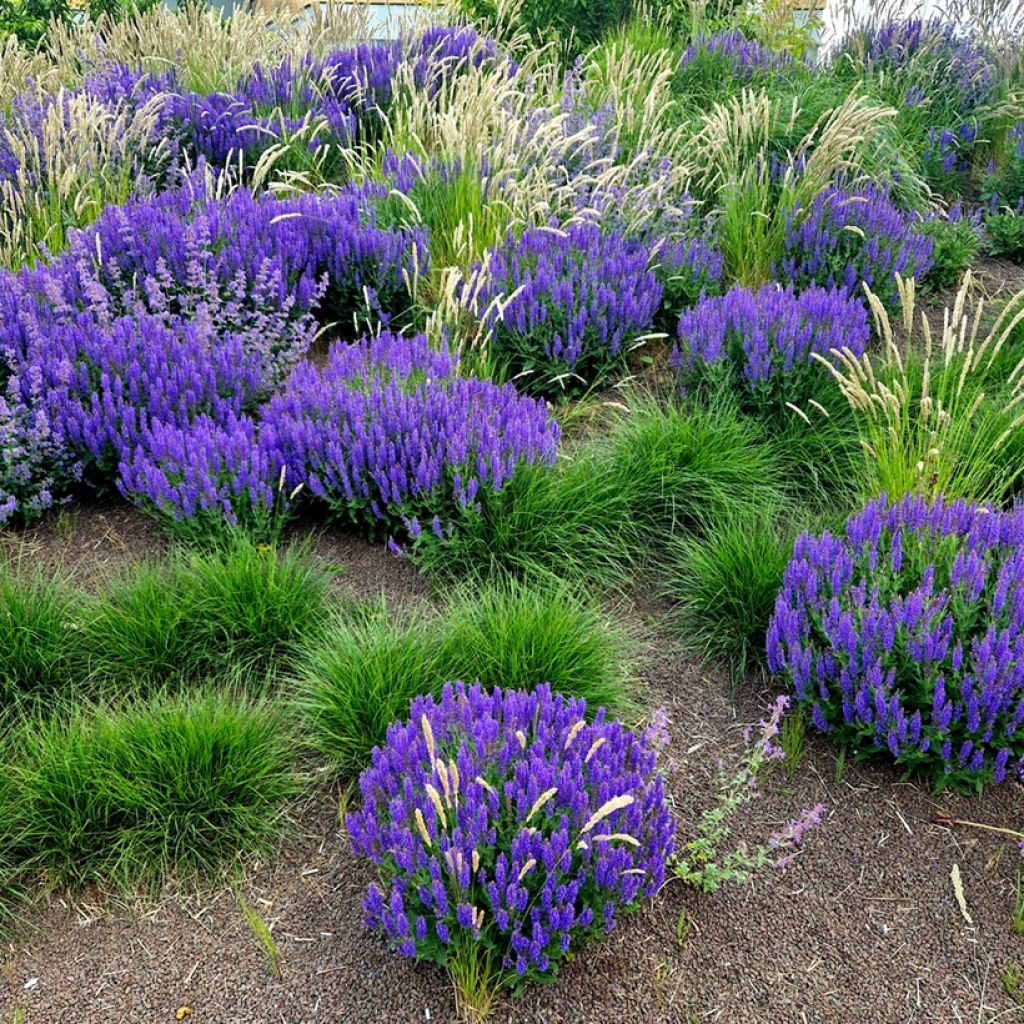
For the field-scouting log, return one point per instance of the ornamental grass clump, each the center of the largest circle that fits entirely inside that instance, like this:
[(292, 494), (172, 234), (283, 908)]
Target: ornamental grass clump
[(573, 302), (906, 636), (508, 831), (178, 787), (941, 416), (760, 344)]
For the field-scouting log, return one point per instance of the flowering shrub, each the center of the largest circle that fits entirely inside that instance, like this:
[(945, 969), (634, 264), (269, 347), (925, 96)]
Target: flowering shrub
[(170, 309), (763, 341), (906, 636), (1004, 183), (948, 157), (955, 236), (929, 61), (575, 300), (388, 434), (508, 828), (199, 474), (849, 237)]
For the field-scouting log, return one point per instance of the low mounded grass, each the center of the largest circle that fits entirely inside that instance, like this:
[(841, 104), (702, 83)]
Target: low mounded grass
[(363, 675), (37, 633), (572, 520), (662, 467), (179, 786), (237, 609), (360, 679), (683, 464), (725, 582), (516, 634)]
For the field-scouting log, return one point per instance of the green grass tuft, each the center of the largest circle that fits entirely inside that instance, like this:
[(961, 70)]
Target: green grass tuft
[(238, 609), (517, 634), (364, 675), (684, 464), (726, 580), (180, 786), (38, 649)]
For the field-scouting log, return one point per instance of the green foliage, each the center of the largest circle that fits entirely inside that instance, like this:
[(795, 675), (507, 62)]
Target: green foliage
[(572, 520), (38, 619), (659, 467), (130, 795), (682, 464), (725, 581), (1004, 235), (263, 935), (575, 25), (360, 679), (793, 741), (516, 635), (29, 19), (955, 246), (364, 675), (238, 608)]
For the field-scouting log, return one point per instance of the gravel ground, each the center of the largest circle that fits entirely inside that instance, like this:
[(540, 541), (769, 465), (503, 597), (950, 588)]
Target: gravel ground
[(863, 928)]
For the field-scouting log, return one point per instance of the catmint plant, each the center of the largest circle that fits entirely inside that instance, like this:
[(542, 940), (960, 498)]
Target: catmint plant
[(905, 636), (508, 829), (701, 862)]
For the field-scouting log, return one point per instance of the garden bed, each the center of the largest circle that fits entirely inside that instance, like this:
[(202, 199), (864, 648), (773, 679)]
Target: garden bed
[(864, 925), (519, 521)]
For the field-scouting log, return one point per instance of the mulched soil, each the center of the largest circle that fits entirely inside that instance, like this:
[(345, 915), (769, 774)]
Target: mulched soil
[(863, 928)]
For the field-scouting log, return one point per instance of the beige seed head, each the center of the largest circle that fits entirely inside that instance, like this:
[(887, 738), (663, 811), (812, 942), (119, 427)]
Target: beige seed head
[(617, 803), (573, 733), (435, 799)]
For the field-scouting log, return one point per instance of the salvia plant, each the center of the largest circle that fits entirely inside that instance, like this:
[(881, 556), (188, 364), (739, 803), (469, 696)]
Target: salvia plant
[(1004, 182), (386, 436), (949, 157), (508, 830), (723, 62), (905, 636), (391, 437), (761, 343), (572, 303), (929, 62), (849, 236), (181, 307)]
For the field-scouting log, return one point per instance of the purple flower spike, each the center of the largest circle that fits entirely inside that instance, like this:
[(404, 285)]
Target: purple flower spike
[(906, 636), (765, 340), (508, 818)]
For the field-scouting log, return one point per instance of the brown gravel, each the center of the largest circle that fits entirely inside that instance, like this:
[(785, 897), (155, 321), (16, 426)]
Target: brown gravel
[(862, 929)]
